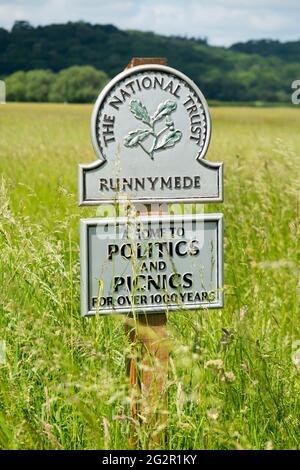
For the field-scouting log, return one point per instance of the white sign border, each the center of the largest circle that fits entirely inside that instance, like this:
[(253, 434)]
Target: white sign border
[(86, 167), (84, 267)]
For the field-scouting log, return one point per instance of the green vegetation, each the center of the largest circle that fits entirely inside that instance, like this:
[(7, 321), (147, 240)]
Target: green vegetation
[(72, 85), (234, 378), (287, 51), (256, 71)]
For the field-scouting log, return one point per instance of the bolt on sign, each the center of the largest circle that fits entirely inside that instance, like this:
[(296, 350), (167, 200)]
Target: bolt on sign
[(150, 131)]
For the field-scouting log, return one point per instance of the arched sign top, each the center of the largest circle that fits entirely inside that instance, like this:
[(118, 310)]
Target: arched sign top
[(151, 110), (150, 131)]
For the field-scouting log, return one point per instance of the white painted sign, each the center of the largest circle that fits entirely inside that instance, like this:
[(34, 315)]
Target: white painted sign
[(150, 131)]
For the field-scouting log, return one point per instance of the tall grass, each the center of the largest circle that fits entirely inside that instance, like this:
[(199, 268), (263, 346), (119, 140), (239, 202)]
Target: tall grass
[(234, 381)]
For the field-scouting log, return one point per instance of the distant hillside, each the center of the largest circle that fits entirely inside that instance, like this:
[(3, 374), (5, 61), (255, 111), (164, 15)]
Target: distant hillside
[(239, 73), (287, 51)]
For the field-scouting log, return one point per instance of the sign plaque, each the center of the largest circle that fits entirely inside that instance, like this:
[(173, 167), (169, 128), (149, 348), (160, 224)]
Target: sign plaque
[(151, 264), (150, 131)]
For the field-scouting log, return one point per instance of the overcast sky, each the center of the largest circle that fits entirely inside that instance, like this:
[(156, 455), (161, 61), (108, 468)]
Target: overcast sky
[(223, 22)]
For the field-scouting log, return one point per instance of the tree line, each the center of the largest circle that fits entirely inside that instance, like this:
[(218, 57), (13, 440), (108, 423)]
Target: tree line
[(287, 51), (77, 84), (252, 71)]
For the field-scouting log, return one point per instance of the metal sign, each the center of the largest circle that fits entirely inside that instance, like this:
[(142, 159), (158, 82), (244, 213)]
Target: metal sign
[(150, 131), (151, 264)]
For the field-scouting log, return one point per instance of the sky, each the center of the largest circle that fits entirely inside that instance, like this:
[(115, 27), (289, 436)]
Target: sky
[(222, 22)]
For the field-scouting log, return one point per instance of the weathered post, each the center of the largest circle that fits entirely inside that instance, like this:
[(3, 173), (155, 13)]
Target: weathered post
[(151, 332)]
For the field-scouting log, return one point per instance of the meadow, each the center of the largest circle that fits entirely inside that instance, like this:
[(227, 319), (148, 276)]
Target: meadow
[(234, 374)]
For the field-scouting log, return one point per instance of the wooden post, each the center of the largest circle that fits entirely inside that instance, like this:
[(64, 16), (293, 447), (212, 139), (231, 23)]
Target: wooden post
[(148, 374)]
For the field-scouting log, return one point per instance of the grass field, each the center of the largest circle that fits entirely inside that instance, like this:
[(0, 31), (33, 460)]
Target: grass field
[(63, 381)]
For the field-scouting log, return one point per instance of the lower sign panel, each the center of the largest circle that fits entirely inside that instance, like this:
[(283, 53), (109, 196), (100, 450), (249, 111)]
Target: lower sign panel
[(151, 264)]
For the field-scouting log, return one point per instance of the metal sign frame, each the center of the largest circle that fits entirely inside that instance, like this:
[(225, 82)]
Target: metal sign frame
[(85, 224), (89, 168)]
